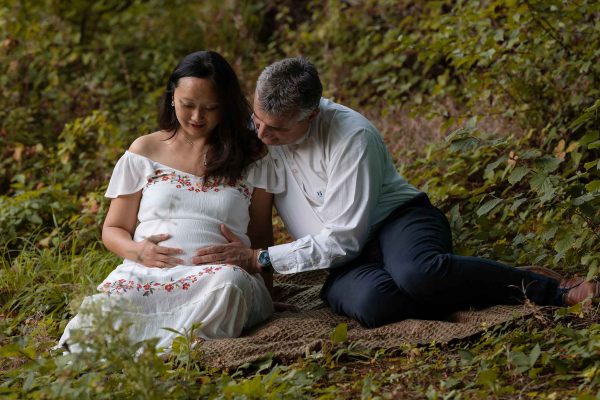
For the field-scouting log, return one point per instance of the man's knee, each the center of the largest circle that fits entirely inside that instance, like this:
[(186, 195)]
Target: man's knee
[(372, 307), (422, 276)]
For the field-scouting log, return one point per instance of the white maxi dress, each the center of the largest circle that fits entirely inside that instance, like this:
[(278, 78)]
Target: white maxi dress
[(224, 299)]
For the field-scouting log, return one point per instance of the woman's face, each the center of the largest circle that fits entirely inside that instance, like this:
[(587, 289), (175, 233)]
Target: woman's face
[(197, 106)]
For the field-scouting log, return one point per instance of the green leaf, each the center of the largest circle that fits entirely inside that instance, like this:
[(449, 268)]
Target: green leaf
[(594, 145), (487, 378), (29, 382), (489, 169), (265, 364), (517, 174), (548, 163), (589, 138), (549, 233), (463, 145), (541, 183), (36, 219), (530, 154), (488, 206), (520, 360), (516, 204), (471, 123), (534, 355), (10, 350), (466, 356), (592, 164), (564, 244), (583, 199), (340, 333), (593, 186)]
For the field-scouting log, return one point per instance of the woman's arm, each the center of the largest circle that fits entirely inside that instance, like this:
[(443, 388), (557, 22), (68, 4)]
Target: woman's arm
[(117, 235), (260, 228)]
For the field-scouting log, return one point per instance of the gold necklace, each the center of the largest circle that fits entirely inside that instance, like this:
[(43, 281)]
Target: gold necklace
[(204, 162)]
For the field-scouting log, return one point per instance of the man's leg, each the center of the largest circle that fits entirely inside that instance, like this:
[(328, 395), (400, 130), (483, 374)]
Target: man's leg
[(366, 293), (417, 253)]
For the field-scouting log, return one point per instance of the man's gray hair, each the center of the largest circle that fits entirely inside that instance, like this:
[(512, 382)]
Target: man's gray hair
[(290, 87)]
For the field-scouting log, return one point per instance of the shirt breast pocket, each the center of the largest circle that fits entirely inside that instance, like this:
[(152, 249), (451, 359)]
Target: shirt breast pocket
[(316, 195)]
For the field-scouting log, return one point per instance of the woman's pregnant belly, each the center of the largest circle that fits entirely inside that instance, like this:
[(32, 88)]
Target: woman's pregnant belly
[(187, 235)]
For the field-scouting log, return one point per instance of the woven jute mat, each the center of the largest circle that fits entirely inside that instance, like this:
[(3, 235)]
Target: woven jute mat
[(288, 335)]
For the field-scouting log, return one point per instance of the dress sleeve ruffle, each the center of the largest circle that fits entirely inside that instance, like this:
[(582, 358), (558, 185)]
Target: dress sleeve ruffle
[(267, 173), (129, 175)]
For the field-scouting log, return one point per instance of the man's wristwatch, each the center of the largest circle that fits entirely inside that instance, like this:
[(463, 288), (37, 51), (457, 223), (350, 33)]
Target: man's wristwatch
[(264, 261)]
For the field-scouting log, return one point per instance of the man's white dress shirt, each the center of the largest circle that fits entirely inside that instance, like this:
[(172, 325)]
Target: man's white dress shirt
[(340, 183)]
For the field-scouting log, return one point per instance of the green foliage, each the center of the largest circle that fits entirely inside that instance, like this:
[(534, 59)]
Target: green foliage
[(556, 358), (514, 200), (79, 83)]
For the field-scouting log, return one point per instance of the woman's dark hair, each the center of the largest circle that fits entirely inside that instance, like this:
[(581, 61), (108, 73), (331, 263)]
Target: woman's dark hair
[(234, 145)]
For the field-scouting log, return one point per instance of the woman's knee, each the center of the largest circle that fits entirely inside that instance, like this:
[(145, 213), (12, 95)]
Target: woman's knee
[(232, 275)]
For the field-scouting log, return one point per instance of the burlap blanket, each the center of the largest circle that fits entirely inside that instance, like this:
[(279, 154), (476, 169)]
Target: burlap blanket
[(288, 335)]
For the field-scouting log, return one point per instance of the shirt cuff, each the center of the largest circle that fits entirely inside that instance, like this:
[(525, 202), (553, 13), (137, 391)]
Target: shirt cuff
[(282, 258)]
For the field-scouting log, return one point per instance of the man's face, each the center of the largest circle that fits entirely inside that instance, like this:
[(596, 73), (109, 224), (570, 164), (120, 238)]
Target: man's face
[(274, 130)]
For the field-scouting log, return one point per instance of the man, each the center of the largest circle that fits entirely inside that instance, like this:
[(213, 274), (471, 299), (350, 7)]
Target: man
[(387, 249)]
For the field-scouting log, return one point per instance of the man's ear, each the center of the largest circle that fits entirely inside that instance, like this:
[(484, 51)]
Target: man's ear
[(313, 114)]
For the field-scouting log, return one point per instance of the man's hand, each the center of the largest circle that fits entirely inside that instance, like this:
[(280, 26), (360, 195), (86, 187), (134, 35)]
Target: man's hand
[(150, 254), (234, 252)]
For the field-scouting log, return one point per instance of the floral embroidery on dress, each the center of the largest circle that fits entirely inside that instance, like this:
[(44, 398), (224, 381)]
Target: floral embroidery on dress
[(200, 185), (123, 285)]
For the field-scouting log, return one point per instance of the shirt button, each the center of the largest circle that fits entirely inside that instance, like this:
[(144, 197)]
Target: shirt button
[(295, 171)]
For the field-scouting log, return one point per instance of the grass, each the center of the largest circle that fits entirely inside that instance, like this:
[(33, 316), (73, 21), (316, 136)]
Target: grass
[(555, 354)]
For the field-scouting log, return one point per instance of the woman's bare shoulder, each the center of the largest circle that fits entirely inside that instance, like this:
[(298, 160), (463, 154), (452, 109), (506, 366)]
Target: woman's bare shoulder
[(148, 145)]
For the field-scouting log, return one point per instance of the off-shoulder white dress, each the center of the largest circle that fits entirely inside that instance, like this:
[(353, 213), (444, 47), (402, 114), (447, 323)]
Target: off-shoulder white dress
[(224, 299)]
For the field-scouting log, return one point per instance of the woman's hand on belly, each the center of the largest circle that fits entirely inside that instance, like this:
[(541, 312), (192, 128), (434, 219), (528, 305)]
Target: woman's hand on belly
[(150, 254)]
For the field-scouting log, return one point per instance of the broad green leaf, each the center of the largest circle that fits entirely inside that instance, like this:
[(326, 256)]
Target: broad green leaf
[(520, 360), (594, 145), (517, 174), (549, 233), (265, 364), (487, 377), (179, 345), (593, 186), (564, 244), (10, 350), (464, 145), (466, 356), (592, 164), (548, 163), (36, 219), (489, 169), (533, 153), (534, 355), (471, 123), (589, 138), (541, 183), (517, 203), (488, 206), (583, 199), (340, 333)]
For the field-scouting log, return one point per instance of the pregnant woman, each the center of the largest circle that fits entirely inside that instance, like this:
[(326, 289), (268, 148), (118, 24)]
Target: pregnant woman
[(180, 189)]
